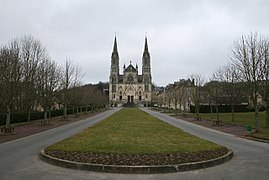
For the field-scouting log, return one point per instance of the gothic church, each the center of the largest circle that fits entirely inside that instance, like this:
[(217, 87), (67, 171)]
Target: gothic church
[(130, 88)]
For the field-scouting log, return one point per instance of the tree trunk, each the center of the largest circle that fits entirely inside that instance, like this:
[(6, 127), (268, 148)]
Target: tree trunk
[(267, 116), (211, 111), (45, 117), (257, 122), (49, 116), (175, 107), (8, 117), (65, 111), (29, 115), (232, 108), (197, 110), (179, 108), (255, 103), (217, 112), (77, 111)]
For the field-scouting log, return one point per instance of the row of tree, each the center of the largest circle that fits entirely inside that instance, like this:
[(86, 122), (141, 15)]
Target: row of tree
[(249, 66), (30, 78), (246, 74)]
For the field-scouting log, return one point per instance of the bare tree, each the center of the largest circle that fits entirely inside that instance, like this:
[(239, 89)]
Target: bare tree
[(180, 97), (168, 98), (213, 93), (78, 92), (31, 55), (175, 97), (160, 99), (98, 98), (265, 77), (48, 83), (246, 55), (10, 77), (67, 79), (196, 94), (228, 76), (209, 91)]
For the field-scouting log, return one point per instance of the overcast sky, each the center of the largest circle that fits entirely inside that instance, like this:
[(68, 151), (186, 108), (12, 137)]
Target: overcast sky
[(184, 37)]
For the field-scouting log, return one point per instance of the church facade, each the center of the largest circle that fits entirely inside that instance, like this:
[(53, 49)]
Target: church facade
[(130, 87)]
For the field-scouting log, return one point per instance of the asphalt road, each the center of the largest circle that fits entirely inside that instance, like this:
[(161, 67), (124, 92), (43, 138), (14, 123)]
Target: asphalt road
[(19, 159)]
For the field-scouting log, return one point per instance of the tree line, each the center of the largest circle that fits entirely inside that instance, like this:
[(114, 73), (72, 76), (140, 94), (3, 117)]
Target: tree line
[(245, 75), (30, 78)]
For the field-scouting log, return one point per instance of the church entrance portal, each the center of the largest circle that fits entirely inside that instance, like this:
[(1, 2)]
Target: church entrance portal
[(130, 99)]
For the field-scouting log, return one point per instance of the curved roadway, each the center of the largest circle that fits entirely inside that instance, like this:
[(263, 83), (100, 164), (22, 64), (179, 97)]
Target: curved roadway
[(19, 158)]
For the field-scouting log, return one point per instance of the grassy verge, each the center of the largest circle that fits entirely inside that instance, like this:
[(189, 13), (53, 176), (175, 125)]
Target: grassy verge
[(243, 119), (132, 131)]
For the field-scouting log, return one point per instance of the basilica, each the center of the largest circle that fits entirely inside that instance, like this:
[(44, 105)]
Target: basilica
[(130, 88)]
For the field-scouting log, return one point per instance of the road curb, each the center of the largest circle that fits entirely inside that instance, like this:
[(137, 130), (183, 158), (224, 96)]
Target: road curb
[(135, 169), (255, 139)]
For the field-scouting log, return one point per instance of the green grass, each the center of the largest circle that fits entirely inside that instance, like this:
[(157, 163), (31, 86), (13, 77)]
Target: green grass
[(245, 119), (133, 131)]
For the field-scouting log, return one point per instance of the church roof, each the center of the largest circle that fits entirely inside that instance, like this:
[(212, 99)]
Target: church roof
[(130, 68)]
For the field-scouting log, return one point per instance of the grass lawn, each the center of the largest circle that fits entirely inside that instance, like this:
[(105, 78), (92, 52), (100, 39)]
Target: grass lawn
[(245, 119), (133, 131)]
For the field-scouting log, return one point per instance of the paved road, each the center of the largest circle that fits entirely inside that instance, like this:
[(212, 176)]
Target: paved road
[(19, 159)]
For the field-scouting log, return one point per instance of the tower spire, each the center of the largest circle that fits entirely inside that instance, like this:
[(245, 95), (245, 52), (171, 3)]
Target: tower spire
[(146, 44), (115, 49), (146, 55)]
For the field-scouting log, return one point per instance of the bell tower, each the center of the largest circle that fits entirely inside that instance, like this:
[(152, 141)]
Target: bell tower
[(114, 71), (146, 70)]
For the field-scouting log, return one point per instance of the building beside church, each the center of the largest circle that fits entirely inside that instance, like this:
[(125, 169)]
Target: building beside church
[(130, 88)]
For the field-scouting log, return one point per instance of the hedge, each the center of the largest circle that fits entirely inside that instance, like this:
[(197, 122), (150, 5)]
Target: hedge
[(222, 108), (23, 117)]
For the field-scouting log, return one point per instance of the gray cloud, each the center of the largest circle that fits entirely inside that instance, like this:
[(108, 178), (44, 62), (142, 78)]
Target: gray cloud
[(184, 37)]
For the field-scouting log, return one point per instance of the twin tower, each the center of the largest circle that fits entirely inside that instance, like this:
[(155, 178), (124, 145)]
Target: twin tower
[(130, 88)]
